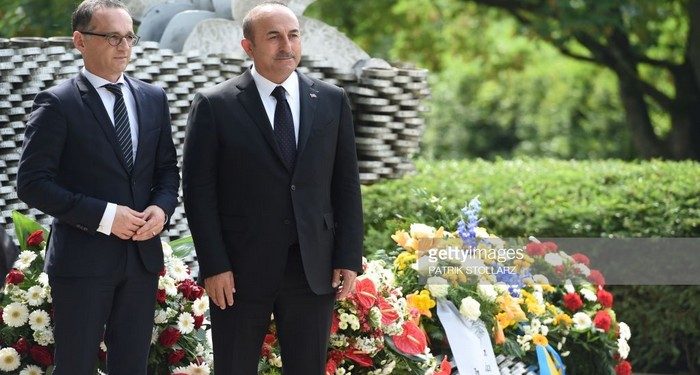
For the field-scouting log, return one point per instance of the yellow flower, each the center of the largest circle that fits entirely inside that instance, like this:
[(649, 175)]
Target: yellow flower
[(563, 319), (548, 288), (539, 339), (422, 302), (403, 260), (511, 311), (533, 305)]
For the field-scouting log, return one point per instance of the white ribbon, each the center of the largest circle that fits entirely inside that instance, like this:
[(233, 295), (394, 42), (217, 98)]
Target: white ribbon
[(469, 341)]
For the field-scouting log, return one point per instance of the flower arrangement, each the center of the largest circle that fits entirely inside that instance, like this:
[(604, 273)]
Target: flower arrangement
[(509, 289), (179, 345), (373, 331)]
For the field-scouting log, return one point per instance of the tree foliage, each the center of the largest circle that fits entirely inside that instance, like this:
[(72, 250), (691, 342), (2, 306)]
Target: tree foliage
[(36, 17)]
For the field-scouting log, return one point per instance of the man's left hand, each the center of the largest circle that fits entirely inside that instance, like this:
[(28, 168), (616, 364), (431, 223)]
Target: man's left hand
[(155, 221), (344, 282)]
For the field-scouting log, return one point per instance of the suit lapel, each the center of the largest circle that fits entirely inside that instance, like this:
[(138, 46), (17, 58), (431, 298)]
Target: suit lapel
[(92, 100), (250, 100), (307, 100)]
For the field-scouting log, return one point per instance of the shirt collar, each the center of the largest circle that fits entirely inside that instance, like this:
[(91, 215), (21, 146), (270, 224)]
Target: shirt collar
[(97, 81), (265, 86)]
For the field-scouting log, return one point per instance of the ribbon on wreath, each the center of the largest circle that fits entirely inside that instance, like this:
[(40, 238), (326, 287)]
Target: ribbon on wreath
[(469, 341), (549, 361)]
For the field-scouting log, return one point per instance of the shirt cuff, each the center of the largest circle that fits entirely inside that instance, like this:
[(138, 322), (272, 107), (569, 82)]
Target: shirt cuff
[(107, 219)]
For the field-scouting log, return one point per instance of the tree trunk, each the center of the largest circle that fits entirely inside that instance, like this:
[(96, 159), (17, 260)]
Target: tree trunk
[(684, 139)]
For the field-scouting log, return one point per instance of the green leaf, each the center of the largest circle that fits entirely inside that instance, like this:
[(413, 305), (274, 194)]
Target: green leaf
[(24, 226), (182, 247)]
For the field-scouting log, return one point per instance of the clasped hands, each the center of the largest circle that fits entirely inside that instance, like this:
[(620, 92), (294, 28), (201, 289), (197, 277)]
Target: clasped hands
[(221, 287), (138, 226)]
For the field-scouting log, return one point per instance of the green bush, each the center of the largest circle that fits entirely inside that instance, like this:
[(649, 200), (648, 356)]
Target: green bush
[(552, 198)]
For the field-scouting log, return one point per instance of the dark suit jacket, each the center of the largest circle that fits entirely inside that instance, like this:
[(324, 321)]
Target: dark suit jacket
[(245, 208), (71, 167)]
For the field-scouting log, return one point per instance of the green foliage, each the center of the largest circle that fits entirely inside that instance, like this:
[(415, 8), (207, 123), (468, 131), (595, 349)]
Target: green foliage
[(36, 17), (24, 226), (549, 198)]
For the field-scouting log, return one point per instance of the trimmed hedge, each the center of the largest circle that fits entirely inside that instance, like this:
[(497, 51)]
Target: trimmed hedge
[(554, 198)]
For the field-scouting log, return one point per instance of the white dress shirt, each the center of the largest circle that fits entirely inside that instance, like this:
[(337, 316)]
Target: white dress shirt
[(108, 100), (291, 85)]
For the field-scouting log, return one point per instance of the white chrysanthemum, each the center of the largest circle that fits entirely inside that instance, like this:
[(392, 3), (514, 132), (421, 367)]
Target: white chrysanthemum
[(9, 359), (168, 283), (39, 319), (487, 291), (338, 341), (196, 369), (623, 348), (200, 305), (15, 314), (35, 295), (32, 370), (154, 335), (554, 259), (199, 350), (167, 250), (470, 308), (581, 321), (25, 259), (181, 370), (437, 286), (160, 317), (43, 279), (625, 332), (177, 269), (185, 323), (43, 337), (17, 294), (589, 295)]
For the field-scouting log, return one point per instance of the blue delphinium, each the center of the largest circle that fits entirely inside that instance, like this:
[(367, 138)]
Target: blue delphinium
[(513, 280), (467, 229)]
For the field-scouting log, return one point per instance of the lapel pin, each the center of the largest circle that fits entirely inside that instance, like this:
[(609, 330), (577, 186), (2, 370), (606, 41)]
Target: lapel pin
[(312, 95)]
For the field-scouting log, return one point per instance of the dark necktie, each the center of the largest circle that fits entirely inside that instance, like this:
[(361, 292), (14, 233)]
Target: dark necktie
[(284, 128), (121, 124)]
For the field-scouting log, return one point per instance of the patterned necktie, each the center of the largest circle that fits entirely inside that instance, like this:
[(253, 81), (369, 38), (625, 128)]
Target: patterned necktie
[(284, 128), (121, 124)]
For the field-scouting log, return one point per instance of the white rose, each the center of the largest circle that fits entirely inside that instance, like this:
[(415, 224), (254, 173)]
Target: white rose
[(437, 286), (487, 291), (470, 308), (625, 332), (623, 348)]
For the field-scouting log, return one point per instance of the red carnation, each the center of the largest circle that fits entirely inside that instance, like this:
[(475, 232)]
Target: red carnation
[(169, 337), (196, 291), (623, 368), (176, 356), (605, 298), (572, 301), (550, 247), (580, 258), (596, 277), (36, 238), (535, 249), (21, 346), (41, 355), (198, 320), (602, 320), (160, 296), (15, 276)]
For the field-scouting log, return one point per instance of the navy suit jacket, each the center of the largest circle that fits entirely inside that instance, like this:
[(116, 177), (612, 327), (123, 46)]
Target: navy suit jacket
[(71, 167), (245, 207)]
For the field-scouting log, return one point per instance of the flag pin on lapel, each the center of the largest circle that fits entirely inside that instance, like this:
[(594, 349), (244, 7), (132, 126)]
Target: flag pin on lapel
[(312, 95)]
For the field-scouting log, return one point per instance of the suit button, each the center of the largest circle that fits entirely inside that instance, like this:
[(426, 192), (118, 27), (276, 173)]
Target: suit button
[(293, 187)]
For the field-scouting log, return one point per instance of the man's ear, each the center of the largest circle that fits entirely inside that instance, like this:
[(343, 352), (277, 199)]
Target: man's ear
[(78, 41), (247, 46)]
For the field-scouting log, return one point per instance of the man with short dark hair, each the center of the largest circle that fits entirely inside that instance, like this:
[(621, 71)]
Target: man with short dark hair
[(98, 156), (272, 195)]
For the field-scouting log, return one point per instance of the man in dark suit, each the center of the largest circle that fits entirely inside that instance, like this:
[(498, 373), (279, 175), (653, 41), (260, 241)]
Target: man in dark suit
[(272, 196), (98, 156)]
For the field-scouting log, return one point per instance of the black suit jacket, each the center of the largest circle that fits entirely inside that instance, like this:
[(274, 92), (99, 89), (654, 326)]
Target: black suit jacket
[(71, 167), (244, 206)]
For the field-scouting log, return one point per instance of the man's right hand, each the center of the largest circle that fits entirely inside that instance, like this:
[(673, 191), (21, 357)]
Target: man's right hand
[(126, 222), (220, 288)]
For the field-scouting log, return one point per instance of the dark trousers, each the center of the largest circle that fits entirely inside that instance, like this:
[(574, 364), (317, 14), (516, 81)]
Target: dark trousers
[(118, 307), (303, 321)]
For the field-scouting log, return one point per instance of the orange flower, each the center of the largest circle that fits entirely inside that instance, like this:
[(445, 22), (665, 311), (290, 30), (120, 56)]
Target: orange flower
[(422, 302)]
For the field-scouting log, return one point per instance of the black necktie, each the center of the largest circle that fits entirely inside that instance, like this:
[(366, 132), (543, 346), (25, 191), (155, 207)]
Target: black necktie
[(284, 128), (121, 124)]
